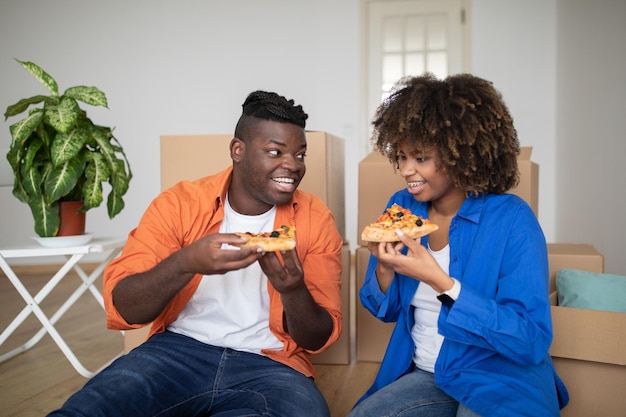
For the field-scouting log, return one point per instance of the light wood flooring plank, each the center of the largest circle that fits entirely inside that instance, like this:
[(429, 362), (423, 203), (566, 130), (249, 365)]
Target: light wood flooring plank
[(41, 379), (343, 385)]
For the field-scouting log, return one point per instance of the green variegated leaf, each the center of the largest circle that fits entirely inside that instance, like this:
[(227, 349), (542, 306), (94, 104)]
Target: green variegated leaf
[(66, 146), (21, 130), (46, 217), (22, 105), (19, 192), (46, 133), (96, 173), (115, 203), (31, 182), (119, 149), (62, 179), (102, 137), (119, 180), (14, 156), (63, 116), (89, 95), (31, 154), (43, 77)]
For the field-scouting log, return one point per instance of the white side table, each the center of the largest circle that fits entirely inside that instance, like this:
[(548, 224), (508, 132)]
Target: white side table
[(73, 254)]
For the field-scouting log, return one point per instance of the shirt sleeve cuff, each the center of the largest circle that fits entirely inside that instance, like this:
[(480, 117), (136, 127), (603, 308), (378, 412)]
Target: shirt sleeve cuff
[(454, 291)]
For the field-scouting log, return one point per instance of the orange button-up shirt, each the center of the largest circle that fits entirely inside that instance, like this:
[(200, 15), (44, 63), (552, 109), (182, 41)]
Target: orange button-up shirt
[(188, 211)]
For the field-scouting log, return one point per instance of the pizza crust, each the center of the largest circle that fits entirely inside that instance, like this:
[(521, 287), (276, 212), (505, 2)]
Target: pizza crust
[(395, 218), (268, 244), (372, 233)]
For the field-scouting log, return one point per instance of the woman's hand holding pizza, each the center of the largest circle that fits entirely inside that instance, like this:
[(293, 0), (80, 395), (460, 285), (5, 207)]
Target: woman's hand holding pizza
[(395, 228), (417, 263), (384, 271)]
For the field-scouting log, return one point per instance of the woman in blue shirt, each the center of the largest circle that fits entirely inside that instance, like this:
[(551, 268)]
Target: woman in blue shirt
[(470, 301)]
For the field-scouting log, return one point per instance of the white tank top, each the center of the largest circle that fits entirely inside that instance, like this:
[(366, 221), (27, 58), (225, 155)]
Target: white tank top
[(232, 310), (426, 313)]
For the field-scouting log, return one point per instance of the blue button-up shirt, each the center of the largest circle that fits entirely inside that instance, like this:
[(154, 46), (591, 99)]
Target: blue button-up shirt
[(494, 358)]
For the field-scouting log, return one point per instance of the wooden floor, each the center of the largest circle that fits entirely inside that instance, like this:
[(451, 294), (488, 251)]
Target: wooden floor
[(41, 379)]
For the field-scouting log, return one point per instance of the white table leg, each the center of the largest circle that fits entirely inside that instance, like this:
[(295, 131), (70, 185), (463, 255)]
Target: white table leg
[(30, 300), (88, 281), (32, 306)]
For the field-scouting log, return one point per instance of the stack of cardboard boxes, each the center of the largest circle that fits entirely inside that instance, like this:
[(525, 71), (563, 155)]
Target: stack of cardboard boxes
[(589, 347)]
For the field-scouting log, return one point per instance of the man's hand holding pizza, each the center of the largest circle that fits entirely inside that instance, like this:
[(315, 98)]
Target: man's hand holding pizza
[(309, 324), (208, 257)]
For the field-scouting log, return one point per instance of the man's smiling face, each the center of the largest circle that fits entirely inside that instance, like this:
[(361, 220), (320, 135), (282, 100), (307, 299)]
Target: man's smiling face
[(269, 166)]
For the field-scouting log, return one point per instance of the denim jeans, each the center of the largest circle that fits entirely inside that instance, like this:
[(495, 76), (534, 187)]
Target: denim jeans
[(412, 395), (174, 375)]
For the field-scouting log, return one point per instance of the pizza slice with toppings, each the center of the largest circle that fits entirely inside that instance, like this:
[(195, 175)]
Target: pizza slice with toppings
[(397, 217), (283, 238)]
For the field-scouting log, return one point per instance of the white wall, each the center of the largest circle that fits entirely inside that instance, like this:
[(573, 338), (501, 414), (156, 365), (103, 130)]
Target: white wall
[(591, 103), (185, 67), (180, 68), (513, 45)]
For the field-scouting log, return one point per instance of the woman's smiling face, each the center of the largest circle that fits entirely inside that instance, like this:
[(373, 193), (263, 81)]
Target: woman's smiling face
[(425, 179)]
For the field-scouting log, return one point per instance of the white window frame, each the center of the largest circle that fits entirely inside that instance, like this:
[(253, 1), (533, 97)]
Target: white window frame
[(374, 13)]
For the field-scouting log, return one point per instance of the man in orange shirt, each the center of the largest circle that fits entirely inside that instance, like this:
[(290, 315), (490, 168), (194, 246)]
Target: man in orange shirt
[(232, 328)]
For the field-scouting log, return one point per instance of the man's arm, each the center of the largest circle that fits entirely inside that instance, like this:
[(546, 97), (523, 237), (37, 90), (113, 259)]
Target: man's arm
[(309, 324), (140, 298)]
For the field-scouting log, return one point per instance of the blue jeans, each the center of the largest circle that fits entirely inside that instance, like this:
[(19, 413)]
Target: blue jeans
[(412, 395), (174, 375)]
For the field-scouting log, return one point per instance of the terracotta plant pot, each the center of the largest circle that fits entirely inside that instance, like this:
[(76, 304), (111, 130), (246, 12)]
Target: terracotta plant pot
[(72, 219)]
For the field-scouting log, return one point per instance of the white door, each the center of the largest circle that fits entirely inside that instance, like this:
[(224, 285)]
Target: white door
[(412, 37)]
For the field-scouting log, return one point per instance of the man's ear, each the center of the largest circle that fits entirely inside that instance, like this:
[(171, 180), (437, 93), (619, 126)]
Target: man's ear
[(237, 148)]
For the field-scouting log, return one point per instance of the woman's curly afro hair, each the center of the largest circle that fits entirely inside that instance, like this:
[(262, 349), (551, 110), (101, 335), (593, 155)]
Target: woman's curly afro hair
[(463, 118)]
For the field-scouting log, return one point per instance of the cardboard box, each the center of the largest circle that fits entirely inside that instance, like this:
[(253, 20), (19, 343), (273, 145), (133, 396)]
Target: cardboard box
[(589, 346), (528, 187), (188, 157), (338, 353), (572, 255), (595, 388), (135, 337), (372, 335), (378, 181)]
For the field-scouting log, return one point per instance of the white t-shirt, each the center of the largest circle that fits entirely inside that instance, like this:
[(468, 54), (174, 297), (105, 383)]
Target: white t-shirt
[(232, 310), (426, 313)]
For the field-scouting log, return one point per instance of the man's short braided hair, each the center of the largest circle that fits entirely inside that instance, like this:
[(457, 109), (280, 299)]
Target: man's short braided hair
[(263, 105)]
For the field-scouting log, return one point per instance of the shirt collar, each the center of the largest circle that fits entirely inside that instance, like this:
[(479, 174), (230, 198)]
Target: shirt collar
[(472, 208)]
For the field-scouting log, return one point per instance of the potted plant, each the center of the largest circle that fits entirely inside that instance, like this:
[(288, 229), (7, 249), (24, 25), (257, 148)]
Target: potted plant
[(58, 154)]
